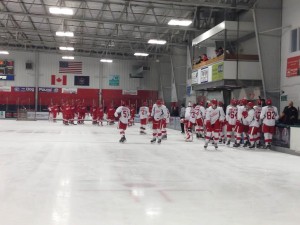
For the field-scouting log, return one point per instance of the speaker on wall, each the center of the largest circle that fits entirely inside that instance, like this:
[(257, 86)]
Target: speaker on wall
[(29, 66)]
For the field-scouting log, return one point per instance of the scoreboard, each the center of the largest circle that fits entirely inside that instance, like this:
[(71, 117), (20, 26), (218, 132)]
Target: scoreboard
[(7, 70)]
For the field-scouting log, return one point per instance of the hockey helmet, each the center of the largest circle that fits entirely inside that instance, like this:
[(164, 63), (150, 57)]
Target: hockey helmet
[(159, 102), (244, 101), (220, 104), (214, 102), (269, 101), (250, 105)]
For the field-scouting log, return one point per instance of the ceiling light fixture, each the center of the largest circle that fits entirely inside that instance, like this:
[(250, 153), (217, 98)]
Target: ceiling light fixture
[(61, 11), (157, 42), (64, 34), (68, 57), (141, 54), (106, 60), (66, 48), (4, 53), (175, 22)]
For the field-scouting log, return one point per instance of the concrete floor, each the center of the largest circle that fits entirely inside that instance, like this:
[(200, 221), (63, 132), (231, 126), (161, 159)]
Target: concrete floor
[(52, 174)]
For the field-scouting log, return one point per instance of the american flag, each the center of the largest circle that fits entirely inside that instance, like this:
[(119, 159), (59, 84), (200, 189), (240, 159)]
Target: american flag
[(70, 67)]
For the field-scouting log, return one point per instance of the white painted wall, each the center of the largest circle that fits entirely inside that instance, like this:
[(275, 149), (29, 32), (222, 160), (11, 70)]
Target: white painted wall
[(290, 85), (98, 72), (246, 70)]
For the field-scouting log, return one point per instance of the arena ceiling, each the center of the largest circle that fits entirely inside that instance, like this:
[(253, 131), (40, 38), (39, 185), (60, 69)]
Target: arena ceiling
[(113, 28)]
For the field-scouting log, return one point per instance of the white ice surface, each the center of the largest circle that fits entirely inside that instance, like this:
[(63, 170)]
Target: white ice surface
[(52, 174)]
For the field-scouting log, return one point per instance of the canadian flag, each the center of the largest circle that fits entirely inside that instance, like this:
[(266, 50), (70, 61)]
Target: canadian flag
[(58, 80)]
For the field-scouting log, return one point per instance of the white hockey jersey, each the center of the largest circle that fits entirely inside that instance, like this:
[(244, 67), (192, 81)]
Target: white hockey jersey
[(213, 115), (193, 115), (187, 113), (269, 114), (144, 112), (240, 117), (159, 113), (251, 119), (257, 110), (124, 113), (231, 114), (200, 112)]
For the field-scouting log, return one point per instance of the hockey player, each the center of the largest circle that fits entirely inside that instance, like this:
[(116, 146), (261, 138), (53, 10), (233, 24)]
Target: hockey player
[(192, 117), (257, 110), (74, 113), (53, 112), (231, 117), (110, 114), (158, 113), (144, 114), (269, 114), (132, 115), (67, 114), (100, 114), (123, 113), (164, 123), (242, 125), (81, 110), (253, 123), (93, 113), (200, 115), (213, 118), (222, 124)]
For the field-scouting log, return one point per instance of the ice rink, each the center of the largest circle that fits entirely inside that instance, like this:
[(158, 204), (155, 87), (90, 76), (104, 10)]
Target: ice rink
[(52, 174)]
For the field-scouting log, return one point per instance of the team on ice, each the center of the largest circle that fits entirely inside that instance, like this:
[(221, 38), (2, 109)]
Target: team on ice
[(242, 123)]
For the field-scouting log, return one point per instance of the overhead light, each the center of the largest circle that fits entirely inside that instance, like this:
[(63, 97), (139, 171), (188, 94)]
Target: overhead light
[(158, 42), (141, 54), (4, 52), (106, 60), (61, 11), (175, 22), (66, 48), (64, 34), (68, 57)]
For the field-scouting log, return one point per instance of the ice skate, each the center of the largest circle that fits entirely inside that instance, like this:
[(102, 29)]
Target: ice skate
[(122, 140), (252, 146), (236, 145), (216, 146), (158, 141), (142, 132), (153, 140), (228, 143), (164, 137)]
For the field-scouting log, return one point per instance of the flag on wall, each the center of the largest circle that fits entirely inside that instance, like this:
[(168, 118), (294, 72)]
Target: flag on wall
[(82, 80), (70, 67), (58, 80)]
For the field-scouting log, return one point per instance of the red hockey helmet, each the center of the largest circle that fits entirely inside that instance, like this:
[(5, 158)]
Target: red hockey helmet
[(158, 102), (194, 105), (201, 103), (269, 101), (233, 102), (244, 101), (221, 104), (214, 102), (250, 105), (259, 102)]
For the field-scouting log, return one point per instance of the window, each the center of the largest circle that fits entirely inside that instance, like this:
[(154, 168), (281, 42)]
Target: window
[(294, 42)]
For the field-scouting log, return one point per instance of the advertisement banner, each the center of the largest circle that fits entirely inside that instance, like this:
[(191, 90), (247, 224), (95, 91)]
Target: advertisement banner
[(5, 89), (129, 92), (293, 66), (218, 71), (69, 90), (48, 90), (282, 137), (7, 70), (114, 80), (7, 77), (204, 75), (195, 76), (23, 89)]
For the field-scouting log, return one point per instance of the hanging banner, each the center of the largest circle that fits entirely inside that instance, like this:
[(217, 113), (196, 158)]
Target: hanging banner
[(195, 77), (218, 71), (293, 66), (204, 75), (114, 80)]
